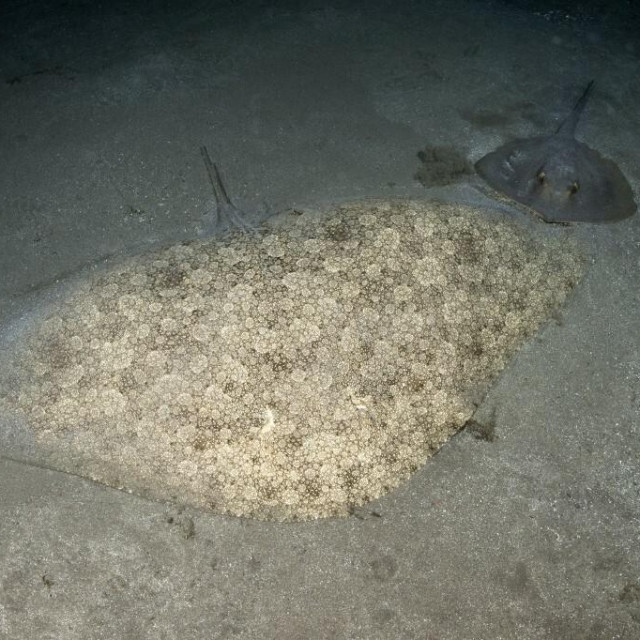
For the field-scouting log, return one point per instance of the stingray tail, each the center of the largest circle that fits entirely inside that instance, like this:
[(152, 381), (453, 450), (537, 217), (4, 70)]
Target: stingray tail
[(568, 126), (219, 192), (225, 210)]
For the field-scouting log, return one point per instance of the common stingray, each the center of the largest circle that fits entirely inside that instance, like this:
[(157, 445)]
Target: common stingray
[(559, 178)]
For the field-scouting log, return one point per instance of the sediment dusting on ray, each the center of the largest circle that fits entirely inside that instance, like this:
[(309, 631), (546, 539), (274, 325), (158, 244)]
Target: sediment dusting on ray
[(288, 375), (559, 178)]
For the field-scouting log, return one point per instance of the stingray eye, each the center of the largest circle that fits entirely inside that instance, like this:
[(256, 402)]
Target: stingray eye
[(574, 187), (541, 176)]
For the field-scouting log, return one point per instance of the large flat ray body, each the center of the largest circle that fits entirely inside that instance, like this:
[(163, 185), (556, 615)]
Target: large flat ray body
[(559, 178), (288, 374)]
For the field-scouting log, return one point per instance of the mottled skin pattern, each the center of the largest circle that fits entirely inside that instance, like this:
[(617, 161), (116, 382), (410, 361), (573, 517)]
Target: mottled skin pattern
[(293, 373)]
